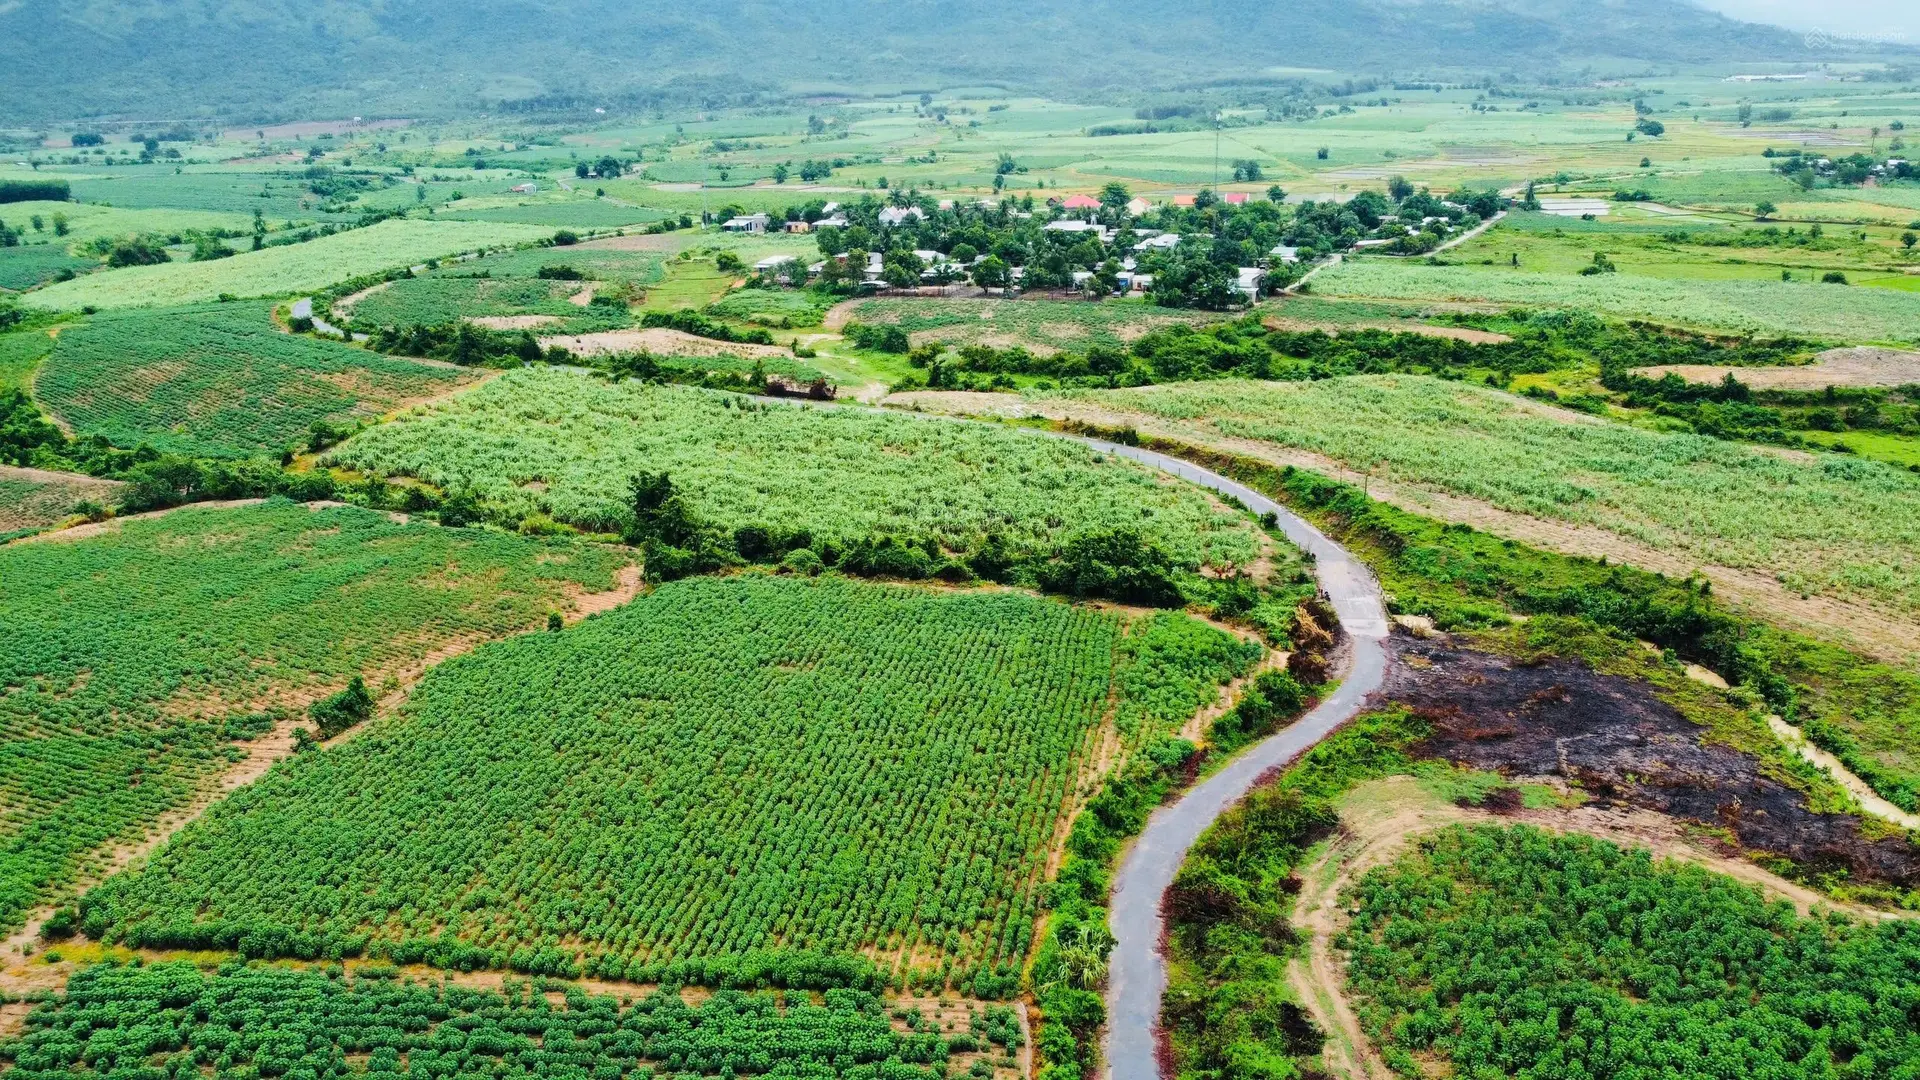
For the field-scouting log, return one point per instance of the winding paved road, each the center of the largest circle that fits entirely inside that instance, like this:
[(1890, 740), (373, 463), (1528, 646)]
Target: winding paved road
[(1137, 975), (303, 309)]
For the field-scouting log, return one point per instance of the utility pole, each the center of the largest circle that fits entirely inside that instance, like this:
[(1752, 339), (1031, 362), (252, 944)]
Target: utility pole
[(1216, 151)]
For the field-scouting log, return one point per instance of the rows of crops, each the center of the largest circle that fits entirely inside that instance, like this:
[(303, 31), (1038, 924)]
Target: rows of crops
[(434, 300), (1514, 952), (115, 1020), (25, 266), (721, 766), (594, 263), (30, 499), (1831, 524), (281, 271), (1770, 308), (580, 214), (128, 657), (841, 474), (219, 379)]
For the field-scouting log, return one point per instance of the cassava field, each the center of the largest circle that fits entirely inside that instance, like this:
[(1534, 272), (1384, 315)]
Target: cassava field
[(668, 579)]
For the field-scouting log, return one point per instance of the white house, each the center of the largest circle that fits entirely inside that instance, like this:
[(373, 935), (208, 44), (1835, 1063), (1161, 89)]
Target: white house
[(1285, 253), (1137, 206), (894, 215), (1248, 283), (837, 221), (1164, 242), (752, 223)]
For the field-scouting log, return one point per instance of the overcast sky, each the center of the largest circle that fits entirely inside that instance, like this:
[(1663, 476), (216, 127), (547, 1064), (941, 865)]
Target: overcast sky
[(1887, 19)]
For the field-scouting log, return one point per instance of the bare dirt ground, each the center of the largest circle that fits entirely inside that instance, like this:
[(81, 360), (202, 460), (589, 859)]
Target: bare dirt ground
[(1878, 632), (659, 340), (1862, 365), (1380, 819)]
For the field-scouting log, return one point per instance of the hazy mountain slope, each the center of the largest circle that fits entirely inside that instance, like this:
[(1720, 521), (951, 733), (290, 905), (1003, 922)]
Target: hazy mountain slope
[(259, 59)]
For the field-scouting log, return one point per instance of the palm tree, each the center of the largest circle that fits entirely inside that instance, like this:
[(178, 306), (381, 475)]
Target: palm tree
[(1083, 955)]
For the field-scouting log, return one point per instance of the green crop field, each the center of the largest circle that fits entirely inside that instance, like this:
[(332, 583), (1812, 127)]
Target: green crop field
[(722, 766), (133, 658), (218, 379), (594, 263), (30, 499), (271, 1021), (1829, 524), (1515, 952), (29, 265), (89, 221), (280, 194), (842, 474), (282, 271), (579, 214), (434, 300), (21, 354), (1752, 306), (773, 307), (1044, 326)]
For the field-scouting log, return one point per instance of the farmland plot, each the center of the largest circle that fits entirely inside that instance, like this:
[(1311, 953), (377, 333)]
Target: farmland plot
[(220, 380), (283, 271), (303, 1023), (568, 444), (30, 498), (133, 658), (722, 766), (1770, 308), (1820, 524), (1466, 945)]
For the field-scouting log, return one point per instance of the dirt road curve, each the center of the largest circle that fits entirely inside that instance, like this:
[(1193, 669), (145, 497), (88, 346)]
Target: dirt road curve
[(1137, 976)]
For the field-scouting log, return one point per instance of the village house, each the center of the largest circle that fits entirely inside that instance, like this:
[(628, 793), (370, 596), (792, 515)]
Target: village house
[(750, 223)]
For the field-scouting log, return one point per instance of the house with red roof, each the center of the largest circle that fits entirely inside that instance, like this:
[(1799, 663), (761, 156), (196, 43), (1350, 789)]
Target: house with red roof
[(1080, 202), (1236, 197)]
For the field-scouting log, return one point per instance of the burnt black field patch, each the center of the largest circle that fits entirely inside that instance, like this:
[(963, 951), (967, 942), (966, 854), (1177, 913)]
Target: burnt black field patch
[(1619, 741)]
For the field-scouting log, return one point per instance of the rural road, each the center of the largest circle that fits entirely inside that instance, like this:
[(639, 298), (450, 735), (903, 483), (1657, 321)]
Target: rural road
[(303, 309), (1339, 258), (1137, 974)]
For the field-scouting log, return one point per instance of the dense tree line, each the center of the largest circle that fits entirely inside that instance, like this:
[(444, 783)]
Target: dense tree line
[(1540, 342)]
